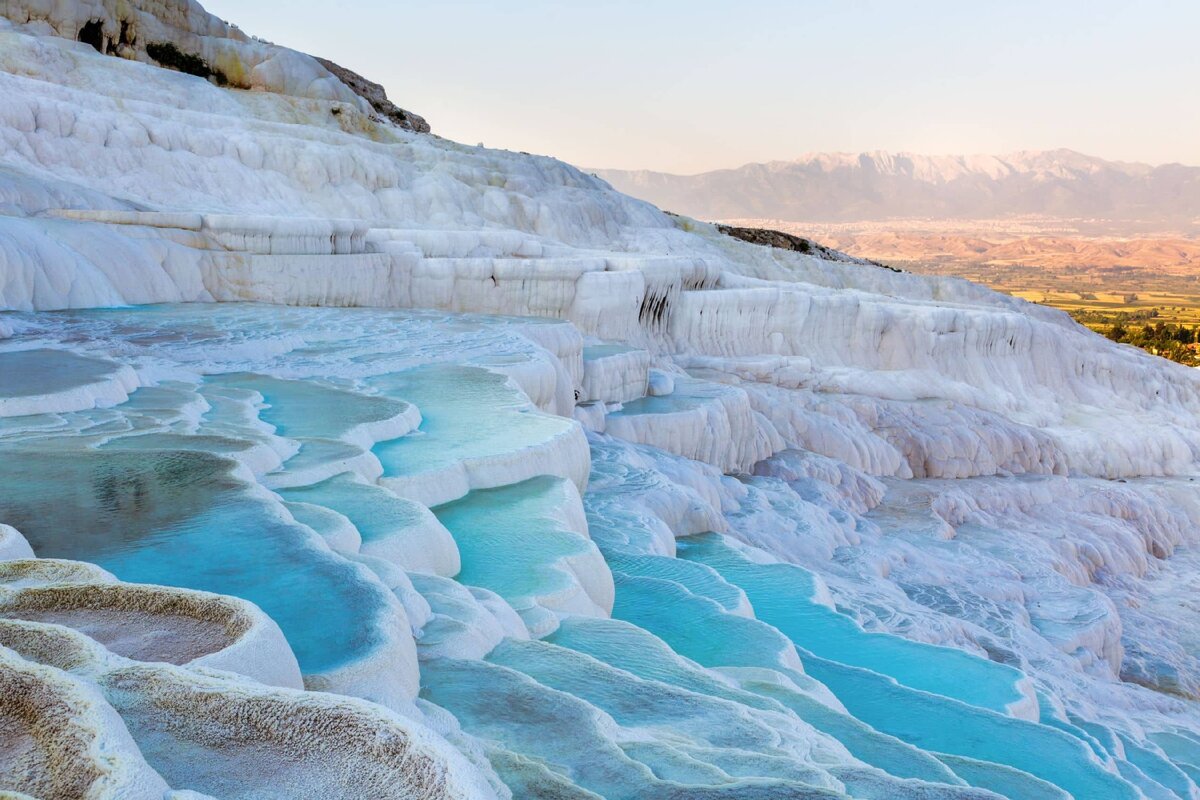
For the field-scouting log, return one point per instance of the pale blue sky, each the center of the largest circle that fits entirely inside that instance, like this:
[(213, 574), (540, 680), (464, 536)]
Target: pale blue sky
[(689, 86)]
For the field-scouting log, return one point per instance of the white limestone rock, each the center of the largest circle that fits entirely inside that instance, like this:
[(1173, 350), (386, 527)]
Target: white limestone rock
[(660, 383), (13, 545), (614, 373), (61, 739), (164, 624)]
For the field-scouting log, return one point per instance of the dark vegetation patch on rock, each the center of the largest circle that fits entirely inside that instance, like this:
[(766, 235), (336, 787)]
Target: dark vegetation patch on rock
[(770, 238), (170, 56)]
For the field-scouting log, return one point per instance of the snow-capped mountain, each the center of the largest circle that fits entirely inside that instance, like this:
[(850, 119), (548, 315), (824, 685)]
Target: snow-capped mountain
[(877, 185)]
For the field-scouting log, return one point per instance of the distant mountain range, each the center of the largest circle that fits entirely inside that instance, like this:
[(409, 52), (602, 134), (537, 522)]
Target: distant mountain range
[(844, 187)]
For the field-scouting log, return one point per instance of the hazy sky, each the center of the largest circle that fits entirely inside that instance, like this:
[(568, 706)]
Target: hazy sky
[(691, 85)]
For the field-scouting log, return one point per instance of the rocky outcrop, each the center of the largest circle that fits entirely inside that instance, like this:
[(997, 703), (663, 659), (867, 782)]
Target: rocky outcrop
[(375, 94), (788, 241), (181, 35)]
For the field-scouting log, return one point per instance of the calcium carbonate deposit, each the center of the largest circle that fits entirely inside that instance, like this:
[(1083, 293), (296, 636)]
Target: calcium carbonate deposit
[(338, 460)]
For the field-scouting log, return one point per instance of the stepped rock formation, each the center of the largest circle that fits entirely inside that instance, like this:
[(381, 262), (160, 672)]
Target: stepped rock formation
[(344, 461)]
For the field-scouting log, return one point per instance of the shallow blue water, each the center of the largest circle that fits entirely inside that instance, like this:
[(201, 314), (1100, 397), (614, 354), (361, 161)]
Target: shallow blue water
[(24, 373), (689, 394), (376, 513), (181, 518), (947, 726), (167, 507), (699, 628), (784, 596), (466, 412), (594, 351), (307, 410), (513, 540), (636, 650)]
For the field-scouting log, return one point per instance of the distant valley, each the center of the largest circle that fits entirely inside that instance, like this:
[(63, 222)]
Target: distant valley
[(1053, 248), (1131, 288), (1117, 245)]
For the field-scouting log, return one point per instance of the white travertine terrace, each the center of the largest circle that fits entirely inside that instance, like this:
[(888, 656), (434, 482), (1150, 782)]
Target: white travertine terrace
[(110, 687), (614, 374), (59, 380), (164, 624), (629, 509)]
